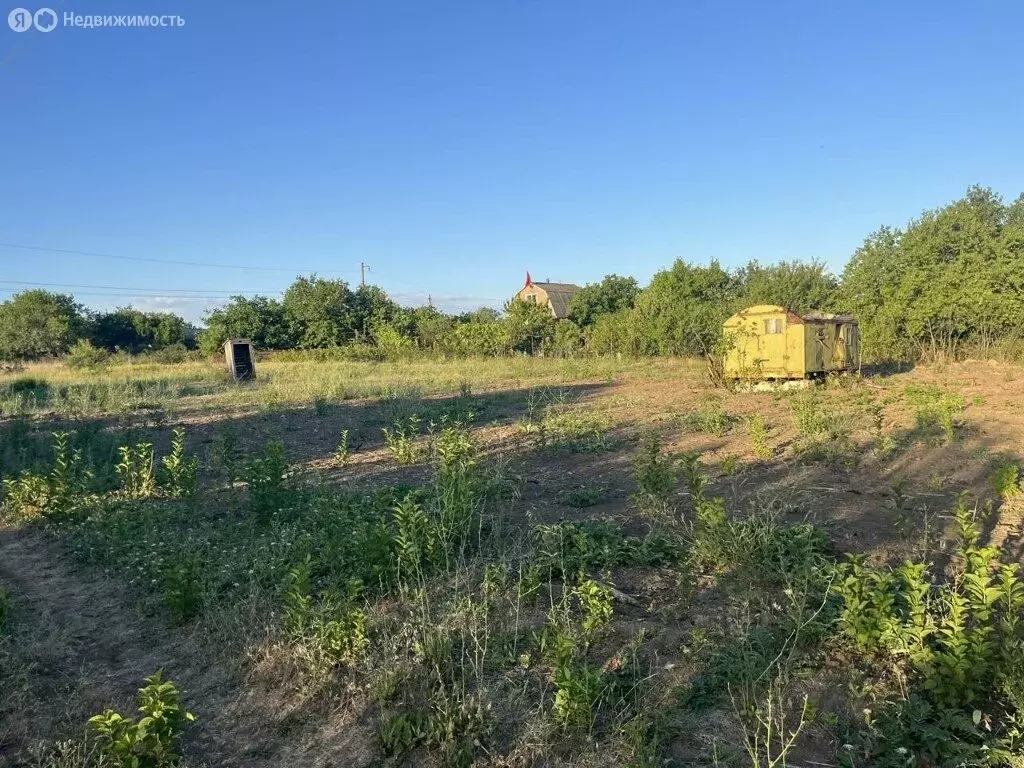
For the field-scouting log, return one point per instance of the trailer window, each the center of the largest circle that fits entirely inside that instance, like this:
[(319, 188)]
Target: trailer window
[(773, 325)]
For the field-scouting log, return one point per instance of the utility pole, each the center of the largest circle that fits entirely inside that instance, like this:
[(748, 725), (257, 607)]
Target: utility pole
[(362, 273), (430, 301)]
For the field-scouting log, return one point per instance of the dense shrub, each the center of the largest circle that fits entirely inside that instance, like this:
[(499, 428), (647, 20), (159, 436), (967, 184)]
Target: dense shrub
[(85, 355)]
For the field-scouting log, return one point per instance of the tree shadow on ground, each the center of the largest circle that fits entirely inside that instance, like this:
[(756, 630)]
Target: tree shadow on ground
[(886, 369)]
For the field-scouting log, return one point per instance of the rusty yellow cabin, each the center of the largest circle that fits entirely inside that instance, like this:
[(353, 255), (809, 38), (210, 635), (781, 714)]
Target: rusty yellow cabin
[(770, 342)]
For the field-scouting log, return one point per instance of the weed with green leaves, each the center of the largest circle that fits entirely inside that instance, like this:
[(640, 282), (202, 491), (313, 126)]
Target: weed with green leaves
[(150, 741), (1007, 480), (758, 429), (584, 496)]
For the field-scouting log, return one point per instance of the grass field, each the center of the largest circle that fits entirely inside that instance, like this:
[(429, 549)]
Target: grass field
[(510, 562)]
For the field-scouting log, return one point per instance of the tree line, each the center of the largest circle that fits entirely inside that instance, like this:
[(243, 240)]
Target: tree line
[(950, 282), (39, 324)]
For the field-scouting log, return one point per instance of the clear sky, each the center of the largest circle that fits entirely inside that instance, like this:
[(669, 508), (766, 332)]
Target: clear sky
[(454, 145)]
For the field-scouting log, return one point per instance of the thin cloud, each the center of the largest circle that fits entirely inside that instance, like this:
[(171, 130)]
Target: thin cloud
[(193, 310)]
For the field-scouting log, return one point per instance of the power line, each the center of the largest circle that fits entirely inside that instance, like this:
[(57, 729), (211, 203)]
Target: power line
[(145, 295), (139, 292), (126, 288), (251, 268)]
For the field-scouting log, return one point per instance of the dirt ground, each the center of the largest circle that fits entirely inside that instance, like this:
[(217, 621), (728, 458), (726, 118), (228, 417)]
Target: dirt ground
[(83, 642)]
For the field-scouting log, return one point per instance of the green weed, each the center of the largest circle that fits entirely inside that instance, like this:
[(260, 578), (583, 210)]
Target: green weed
[(712, 420), (657, 476), (555, 423), (576, 430), (595, 604), (182, 588), (27, 495), (567, 548), (270, 482), (456, 726), (824, 430), (811, 416), (53, 493), (402, 440), (150, 741), (936, 408), (578, 689), (959, 639), (757, 428), (584, 496), (178, 476), (325, 632), (341, 453), (1006, 480), (415, 540), (135, 471), (227, 454)]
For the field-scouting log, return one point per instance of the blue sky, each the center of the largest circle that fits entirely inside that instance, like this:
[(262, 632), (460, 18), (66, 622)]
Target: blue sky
[(454, 145)]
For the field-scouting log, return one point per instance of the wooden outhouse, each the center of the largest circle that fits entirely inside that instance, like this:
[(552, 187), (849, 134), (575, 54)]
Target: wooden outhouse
[(770, 342), (240, 359)]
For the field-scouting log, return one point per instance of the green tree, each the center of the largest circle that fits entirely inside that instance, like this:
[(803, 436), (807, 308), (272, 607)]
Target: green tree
[(131, 330), (490, 339), (35, 324), (873, 298), (682, 311), (162, 329), (321, 313), (480, 315), (371, 307), (953, 278), (116, 330), (799, 286), (529, 325), (612, 294), (567, 339), (615, 334), (428, 326), (259, 319)]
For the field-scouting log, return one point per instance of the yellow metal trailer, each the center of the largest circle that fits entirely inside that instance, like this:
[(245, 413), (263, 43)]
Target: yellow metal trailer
[(770, 342)]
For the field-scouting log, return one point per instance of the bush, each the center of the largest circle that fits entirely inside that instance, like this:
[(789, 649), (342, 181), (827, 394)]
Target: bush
[(149, 742), (958, 643), (711, 420), (85, 355), (758, 429), (567, 548), (270, 483), (172, 355), (935, 408), (585, 496), (1006, 480)]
